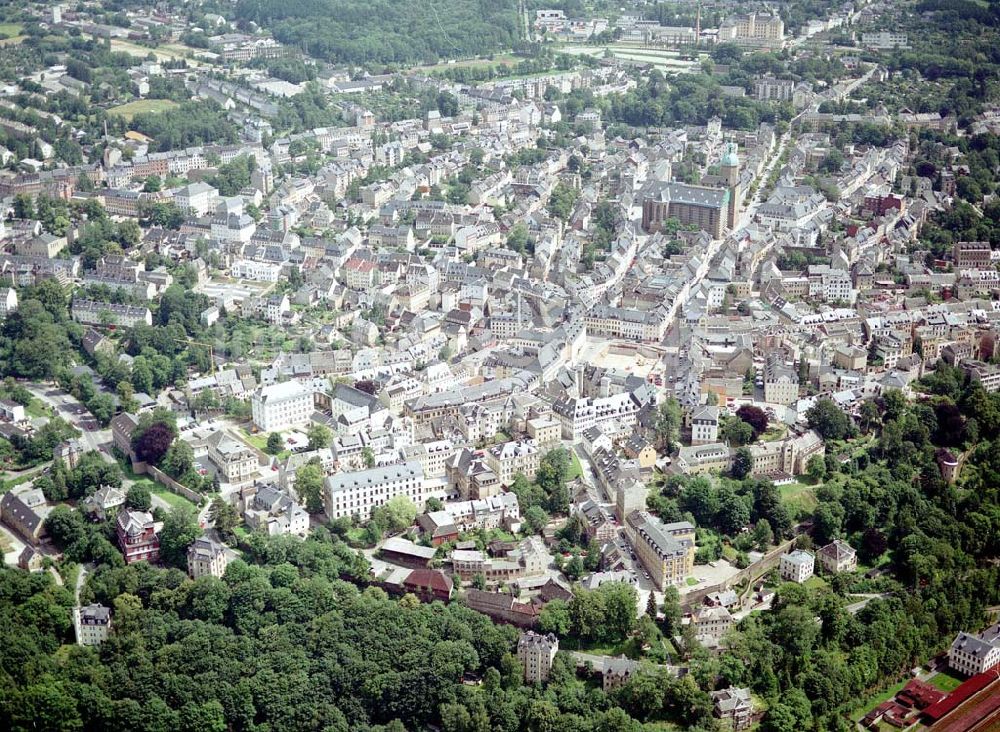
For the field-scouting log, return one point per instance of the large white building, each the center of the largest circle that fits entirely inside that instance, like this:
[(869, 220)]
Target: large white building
[(973, 654), (196, 199), (359, 493), (281, 406), (92, 624), (536, 652), (797, 566)]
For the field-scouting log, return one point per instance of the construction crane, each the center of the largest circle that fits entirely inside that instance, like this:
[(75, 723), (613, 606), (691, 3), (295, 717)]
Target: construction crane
[(211, 352)]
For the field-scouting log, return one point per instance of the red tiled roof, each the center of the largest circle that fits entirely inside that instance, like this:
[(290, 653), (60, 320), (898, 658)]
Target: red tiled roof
[(964, 692)]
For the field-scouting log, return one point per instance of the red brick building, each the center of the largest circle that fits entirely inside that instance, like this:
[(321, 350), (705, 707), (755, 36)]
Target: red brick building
[(138, 536)]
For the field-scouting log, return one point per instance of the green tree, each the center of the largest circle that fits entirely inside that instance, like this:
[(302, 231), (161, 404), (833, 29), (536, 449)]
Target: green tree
[(668, 422), (319, 436), (224, 516), (309, 486), (139, 498), (274, 444), (180, 529)]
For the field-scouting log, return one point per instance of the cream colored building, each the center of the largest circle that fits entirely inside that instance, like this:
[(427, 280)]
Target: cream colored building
[(510, 458), (666, 551), (206, 558), (536, 652)]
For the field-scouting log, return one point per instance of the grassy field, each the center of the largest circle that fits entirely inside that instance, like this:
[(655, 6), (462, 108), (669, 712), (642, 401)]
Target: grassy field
[(6, 485), (141, 106), (873, 701), (815, 583), (10, 34), (166, 52), (171, 499), (798, 497), (945, 681), (575, 469)]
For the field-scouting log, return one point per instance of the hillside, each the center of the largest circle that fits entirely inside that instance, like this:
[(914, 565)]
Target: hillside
[(387, 31)]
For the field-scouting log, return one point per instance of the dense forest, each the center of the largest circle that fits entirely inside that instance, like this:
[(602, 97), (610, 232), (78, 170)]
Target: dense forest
[(385, 31)]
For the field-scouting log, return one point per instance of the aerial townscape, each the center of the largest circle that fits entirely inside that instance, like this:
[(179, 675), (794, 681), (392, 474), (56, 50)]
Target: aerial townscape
[(523, 365)]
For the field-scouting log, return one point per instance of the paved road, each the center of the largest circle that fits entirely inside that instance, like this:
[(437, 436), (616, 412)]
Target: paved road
[(598, 662), (855, 607), (80, 580)]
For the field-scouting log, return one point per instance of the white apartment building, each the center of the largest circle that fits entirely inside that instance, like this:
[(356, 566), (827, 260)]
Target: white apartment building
[(797, 566), (511, 458), (705, 425), (246, 269), (92, 624), (8, 301), (358, 493), (206, 557), (781, 383), (236, 462), (884, 40), (196, 199), (578, 415), (973, 654), (281, 406), (536, 652)]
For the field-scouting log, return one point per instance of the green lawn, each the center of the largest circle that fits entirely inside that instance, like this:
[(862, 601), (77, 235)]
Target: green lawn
[(873, 701), (575, 469), (629, 647), (815, 583), (11, 29), (691, 581), (170, 498), (798, 496), (141, 106), (945, 681), (6, 485)]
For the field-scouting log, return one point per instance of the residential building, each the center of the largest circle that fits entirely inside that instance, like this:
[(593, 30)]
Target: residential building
[(733, 706), (536, 652), (103, 503), (704, 425), (236, 462), (838, 556), (666, 551), (797, 566), (884, 40), (781, 382), (972, 254), (21, 518), (92, 624), (617, 671), (359, 493), (282, 406), (206, 557), (138, 536), (90, 312), (973, 654), (271, 509), (510, 458)]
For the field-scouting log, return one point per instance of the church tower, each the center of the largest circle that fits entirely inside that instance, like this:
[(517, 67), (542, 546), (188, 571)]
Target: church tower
[(731, 176)]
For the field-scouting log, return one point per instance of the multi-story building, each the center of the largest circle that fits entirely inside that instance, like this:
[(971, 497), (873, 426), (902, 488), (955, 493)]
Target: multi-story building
[(666, 551), (91, 312), (92, 624), (753, 29), (711, 623), (884, 40), (772, 89), (206, 557), (281, 406), (704, 425), (196, 199), (972, 254), (8, 301), (536, 652), (706, 208), (973, 654), (236, 462), (510, 458), (781, 383), (797, 566), (645, 326), (578, 415), (733, 706), (138, 536), (359, 493), (838, 556)]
